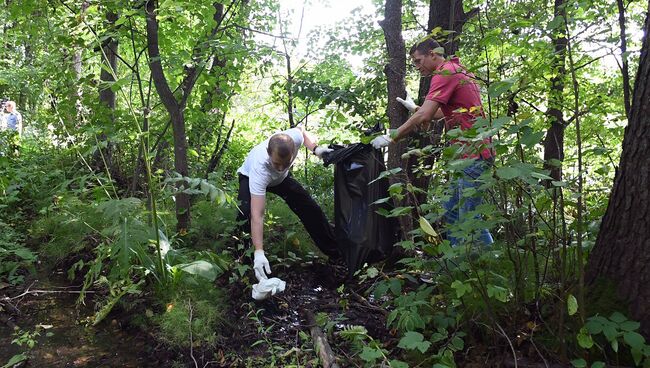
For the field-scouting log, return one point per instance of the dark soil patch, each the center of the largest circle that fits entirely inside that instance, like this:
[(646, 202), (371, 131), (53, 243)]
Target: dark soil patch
[(64, 339)]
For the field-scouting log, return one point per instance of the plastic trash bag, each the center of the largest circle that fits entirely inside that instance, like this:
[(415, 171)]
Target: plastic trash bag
[(362, 234)]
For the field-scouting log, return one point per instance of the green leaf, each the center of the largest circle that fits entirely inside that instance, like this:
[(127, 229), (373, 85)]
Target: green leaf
[(531, 139), (201, 268), (372, 272), (572, 304), (634, 340), (542, 176), (555, 23), (387, 173), (496, 89), (584, 339), (461, 288), (610, 332), (414, 340), (630, 325), (398, 364), (497, 292), (370, 354), (507, 172), (594, 327), (426, 227), (579, 363), (457, 343), (618, 317), (15, 360), (395, 286), (637, 355), (598, 364)]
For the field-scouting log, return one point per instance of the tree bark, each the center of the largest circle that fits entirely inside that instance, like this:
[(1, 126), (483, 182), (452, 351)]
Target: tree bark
[(554, 141), (449, 15), (622, 250), (395, 72), (176, 115), (624, 66), (103, 158)]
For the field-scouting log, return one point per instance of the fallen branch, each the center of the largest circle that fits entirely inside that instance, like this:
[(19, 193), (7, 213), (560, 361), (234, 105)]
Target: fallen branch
[(367, 304), (321, 345), (49, 292)]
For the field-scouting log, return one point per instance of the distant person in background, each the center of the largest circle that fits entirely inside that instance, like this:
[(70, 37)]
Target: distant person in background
[(11, 129), (13, 120), (3, 121)]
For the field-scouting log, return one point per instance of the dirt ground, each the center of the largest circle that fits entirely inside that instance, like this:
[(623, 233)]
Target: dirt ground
[(273, 326)]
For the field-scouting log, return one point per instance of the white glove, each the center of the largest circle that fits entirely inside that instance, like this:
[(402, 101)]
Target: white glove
[(268, 287), (320, 150), (408, 103), (381, 141), (260, 264)]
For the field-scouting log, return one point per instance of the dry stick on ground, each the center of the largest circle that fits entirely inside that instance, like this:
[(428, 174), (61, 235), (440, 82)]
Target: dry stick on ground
[(365, 303), (321, 345)]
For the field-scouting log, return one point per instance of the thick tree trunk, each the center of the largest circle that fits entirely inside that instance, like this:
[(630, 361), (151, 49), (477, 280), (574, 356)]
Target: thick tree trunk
[(554, 141), (395, 72), (175, 113), (622, 250)]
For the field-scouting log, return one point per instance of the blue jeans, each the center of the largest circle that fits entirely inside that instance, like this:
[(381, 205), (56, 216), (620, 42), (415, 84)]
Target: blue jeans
[(464, 198)]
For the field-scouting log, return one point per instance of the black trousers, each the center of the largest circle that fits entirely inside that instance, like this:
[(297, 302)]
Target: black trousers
[(301, 203)]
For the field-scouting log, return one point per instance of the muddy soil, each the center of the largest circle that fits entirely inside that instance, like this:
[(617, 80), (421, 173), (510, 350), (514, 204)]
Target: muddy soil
[(64, 338)]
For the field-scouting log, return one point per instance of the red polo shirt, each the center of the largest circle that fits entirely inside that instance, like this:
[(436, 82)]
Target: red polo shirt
[(460, 100)]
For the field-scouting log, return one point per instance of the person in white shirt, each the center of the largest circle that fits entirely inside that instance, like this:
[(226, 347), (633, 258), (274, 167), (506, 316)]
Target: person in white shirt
[(266, 169)]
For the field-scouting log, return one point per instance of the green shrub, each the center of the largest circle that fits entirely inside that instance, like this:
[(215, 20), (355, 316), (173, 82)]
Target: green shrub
[(213, 226), (64, 230), (204, 317)]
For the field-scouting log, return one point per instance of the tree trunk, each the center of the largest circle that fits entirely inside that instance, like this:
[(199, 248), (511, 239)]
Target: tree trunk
[(622, 250), (624, 66), (103, 157), (395, 72), (449, 15), (554, 141), (176, 116)]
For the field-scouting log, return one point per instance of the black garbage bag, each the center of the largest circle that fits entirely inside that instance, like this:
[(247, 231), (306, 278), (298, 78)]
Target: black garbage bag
[(363, 235)]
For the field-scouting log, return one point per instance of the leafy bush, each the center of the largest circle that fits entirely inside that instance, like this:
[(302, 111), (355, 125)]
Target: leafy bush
[(64, 229), (185, 321)]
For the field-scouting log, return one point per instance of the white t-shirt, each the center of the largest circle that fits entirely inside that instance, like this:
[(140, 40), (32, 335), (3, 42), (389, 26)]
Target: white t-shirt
[(258, 168)]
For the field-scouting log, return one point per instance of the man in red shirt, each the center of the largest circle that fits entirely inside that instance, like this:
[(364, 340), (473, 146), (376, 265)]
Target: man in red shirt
[(454, 92)]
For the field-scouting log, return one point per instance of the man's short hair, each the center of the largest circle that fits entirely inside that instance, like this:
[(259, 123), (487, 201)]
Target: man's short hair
[(425, 46), (282, 145)]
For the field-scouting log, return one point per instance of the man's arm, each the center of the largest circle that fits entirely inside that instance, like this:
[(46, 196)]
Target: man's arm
[(309, 139), (257, 220), (427, 112)]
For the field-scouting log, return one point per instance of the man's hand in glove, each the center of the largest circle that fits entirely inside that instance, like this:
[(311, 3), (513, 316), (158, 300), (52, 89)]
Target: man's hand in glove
[(381, 141), (320, 150), (261, 264), (408, 103)]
